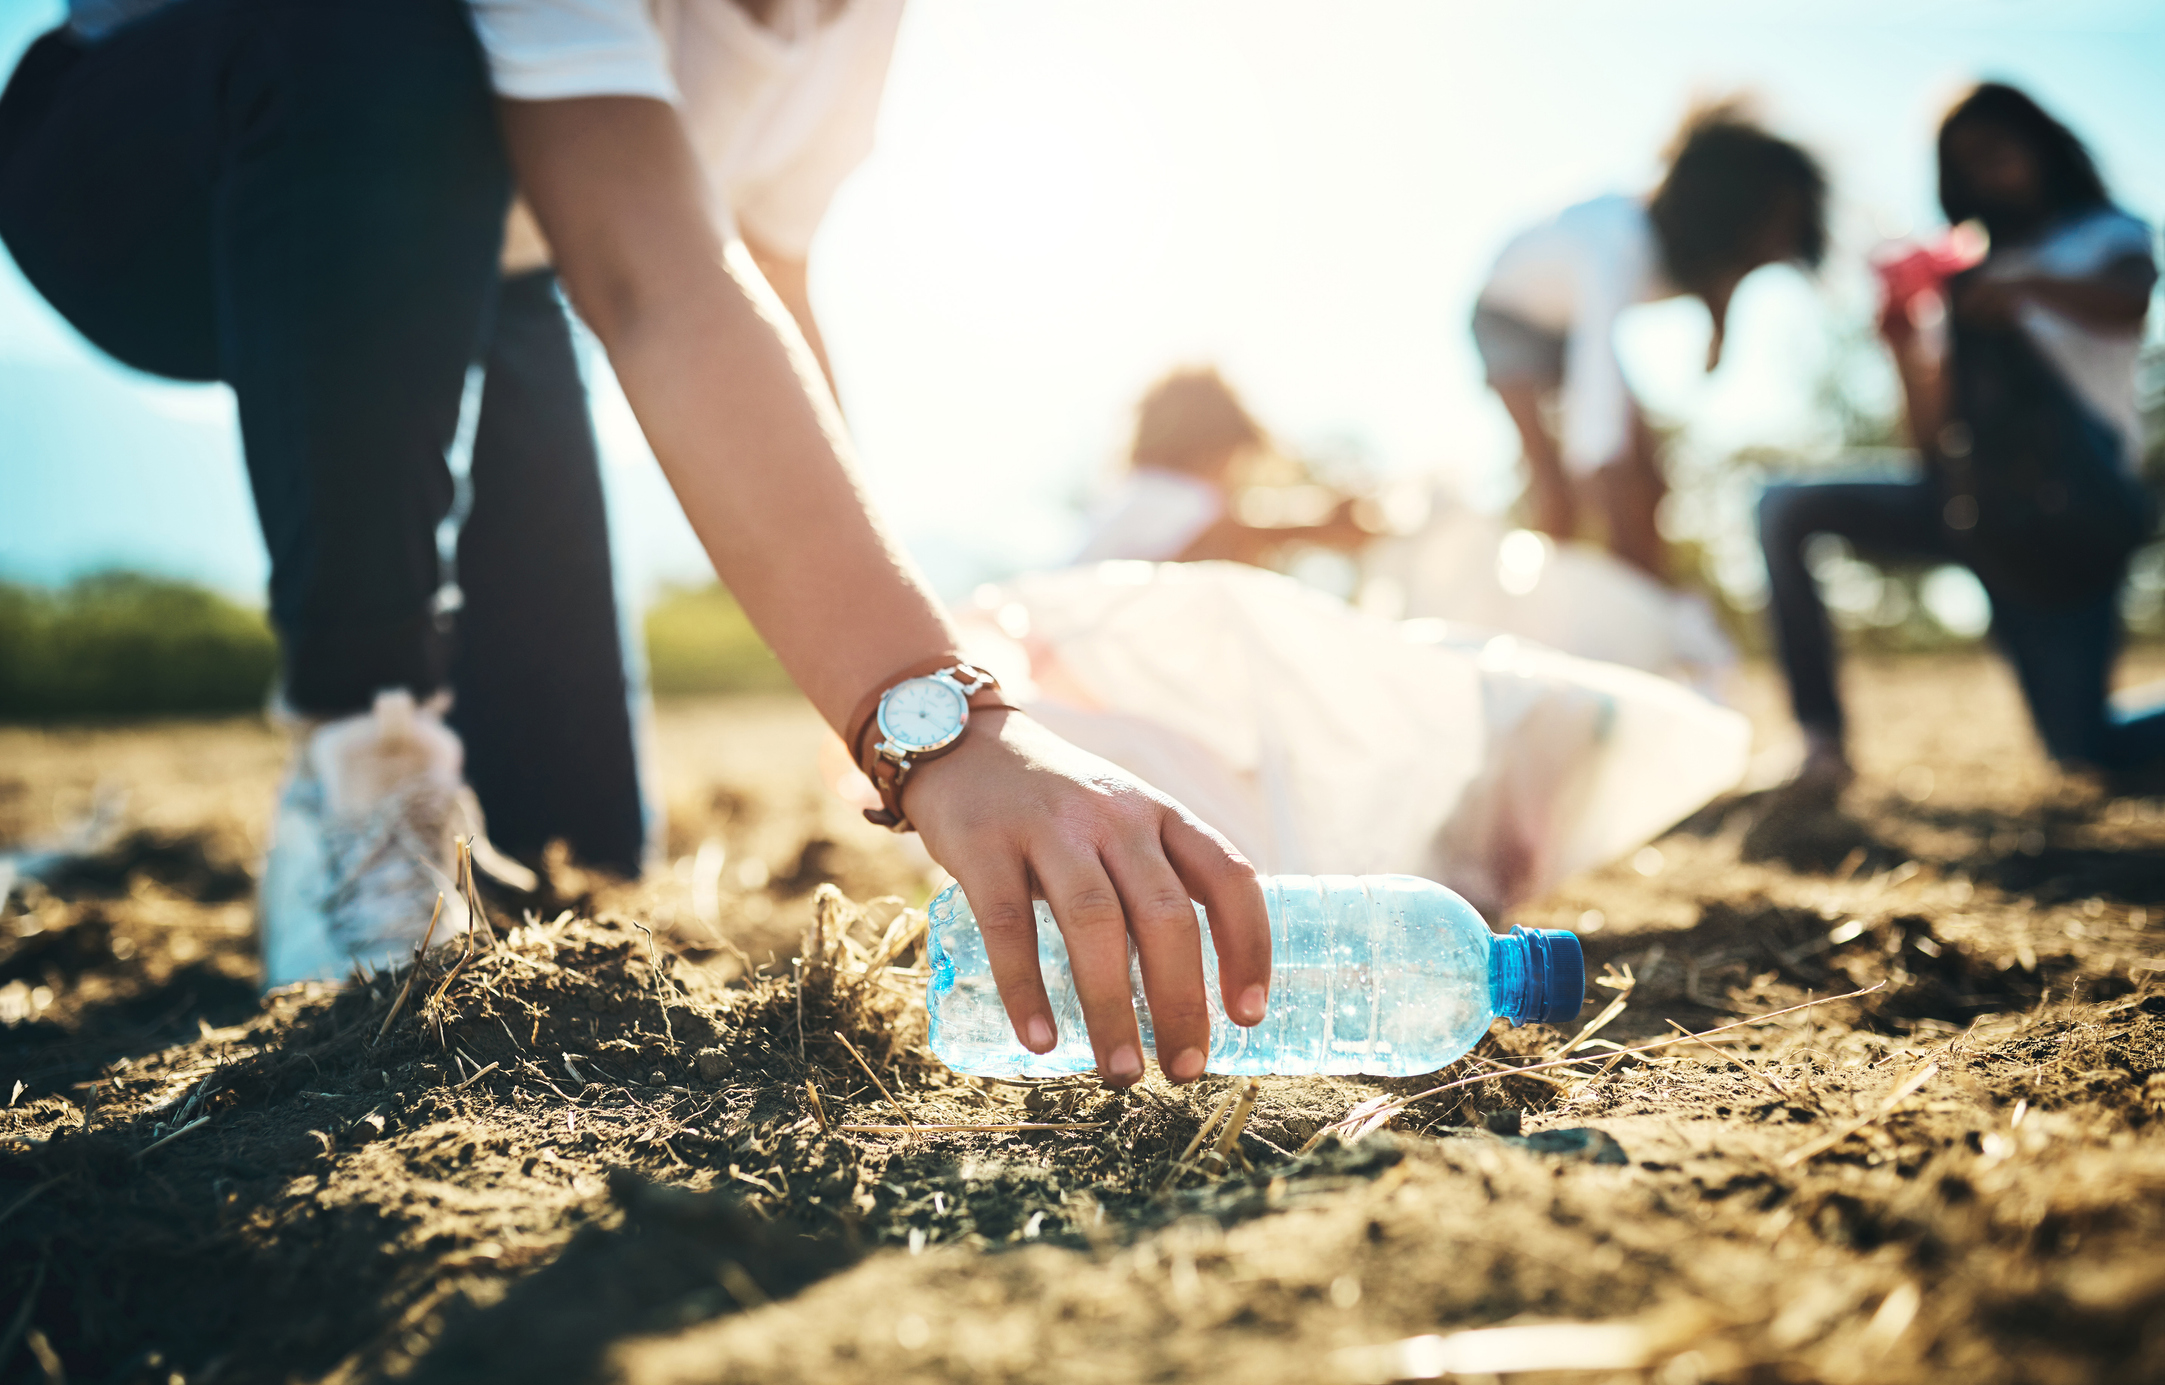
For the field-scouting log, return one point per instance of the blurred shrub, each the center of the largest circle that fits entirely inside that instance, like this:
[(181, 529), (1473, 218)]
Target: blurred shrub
[(700, 641), (125, 644)]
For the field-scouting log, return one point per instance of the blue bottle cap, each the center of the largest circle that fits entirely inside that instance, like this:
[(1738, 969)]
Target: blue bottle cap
[(1559, 975)]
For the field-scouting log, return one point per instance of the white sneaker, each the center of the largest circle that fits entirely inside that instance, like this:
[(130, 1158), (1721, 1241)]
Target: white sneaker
[(364, 842)]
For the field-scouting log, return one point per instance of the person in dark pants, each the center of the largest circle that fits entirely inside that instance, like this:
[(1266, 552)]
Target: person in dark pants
[(307, 199), (168, 188), (2073, 274)]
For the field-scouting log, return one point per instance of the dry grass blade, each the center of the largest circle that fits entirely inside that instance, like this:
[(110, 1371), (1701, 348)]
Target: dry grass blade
[(197, 1124), (1210, 1123), (1586, 1088), (1238, 1121), (988, 1129), (796, 972), (452, 975), (476, 1076), (819, 1107), (1811, 1149), (1595, 1025), (902, 934), (1499, 1069), (1401, 1103), (875, 1079), (407, 989), (826, 902), (479, 916), (1202, 1133), (1777, 1088)]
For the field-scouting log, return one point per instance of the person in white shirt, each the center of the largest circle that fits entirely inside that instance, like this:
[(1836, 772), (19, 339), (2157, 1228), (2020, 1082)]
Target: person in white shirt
[(1174, 503), (307, 199), (1734, 198)]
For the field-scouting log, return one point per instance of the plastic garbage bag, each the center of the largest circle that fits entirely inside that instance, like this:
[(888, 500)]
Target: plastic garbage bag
[(1464, 566), (1322, 740)]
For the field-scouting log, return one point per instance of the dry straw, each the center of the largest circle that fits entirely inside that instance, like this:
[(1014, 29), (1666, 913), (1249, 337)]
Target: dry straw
[(1369, 1115)]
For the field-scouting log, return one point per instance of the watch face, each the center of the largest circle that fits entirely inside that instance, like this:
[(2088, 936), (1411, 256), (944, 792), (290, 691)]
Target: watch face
[(922, 714)]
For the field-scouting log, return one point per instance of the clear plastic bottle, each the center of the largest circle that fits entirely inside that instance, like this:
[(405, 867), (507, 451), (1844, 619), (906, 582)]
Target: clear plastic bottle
[(1384, 975)]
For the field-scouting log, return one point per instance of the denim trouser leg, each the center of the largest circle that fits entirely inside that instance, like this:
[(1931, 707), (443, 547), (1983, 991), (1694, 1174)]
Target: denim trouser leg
[(2062, 655), (2064, 658), (303, 198), (1887, 518), (540, 663)]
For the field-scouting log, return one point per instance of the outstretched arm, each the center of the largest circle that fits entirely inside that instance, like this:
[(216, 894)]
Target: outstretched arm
[(737, 411), (790, 277), (2114, 299)]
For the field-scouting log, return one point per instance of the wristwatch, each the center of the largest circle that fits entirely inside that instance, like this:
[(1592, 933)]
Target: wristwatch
[(918, 716)]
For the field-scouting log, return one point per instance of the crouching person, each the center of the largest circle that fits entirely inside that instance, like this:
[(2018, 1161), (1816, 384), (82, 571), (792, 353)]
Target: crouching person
[(306, 199), (2023, 408)]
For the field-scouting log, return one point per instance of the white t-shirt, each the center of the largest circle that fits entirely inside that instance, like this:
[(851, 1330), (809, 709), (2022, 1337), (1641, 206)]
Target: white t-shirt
[(1152, 515), (1574, 275), (779, 113), (2099, 366)]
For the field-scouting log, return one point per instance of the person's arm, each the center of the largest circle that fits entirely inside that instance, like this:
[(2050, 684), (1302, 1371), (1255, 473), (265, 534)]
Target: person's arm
[(2115, 299), (732, 402), (790, 278), (1920, 364), (1550, 493)]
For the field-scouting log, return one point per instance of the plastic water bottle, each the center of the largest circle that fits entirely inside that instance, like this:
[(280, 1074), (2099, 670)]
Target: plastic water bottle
[(1384, 975)]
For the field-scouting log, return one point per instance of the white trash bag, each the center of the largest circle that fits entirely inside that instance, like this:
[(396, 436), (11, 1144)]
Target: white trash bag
[(1463, 566), (1319, 739)]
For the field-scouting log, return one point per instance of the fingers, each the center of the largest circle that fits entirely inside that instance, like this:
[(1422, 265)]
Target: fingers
[(1000, 897), (1161, 919), (1087, 908), (1226, 884)]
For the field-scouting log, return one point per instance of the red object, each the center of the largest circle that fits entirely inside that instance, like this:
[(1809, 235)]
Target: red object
[(1907, 271)]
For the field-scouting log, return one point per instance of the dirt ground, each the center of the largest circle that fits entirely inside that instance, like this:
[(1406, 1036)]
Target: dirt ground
[(674, 1132)]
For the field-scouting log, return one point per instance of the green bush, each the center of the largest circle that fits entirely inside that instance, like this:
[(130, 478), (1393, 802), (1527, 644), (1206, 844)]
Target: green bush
[(700, 641), (122, 643)]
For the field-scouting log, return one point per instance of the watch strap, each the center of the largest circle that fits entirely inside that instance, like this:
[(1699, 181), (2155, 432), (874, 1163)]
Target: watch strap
[(889, 776), (863, 719)]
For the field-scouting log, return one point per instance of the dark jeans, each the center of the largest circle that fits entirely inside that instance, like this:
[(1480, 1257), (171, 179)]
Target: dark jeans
[(305, 199), (2063, 656)]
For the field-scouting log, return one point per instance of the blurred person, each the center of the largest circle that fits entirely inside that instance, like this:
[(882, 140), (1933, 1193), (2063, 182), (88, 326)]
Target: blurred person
[(2018, 375), (1176, 500), (1734, 199), (307, 199)]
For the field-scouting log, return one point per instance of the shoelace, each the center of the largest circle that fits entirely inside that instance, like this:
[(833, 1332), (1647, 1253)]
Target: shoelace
[(380, 868)]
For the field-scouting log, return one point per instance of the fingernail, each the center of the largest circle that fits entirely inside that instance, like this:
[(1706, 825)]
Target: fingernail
[(1041, 1036), (1124, 1067), (1253, 1002), (1187, 1065)]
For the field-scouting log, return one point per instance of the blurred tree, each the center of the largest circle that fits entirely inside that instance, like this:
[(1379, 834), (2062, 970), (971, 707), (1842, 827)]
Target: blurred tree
[(122, 643), (700, 641)]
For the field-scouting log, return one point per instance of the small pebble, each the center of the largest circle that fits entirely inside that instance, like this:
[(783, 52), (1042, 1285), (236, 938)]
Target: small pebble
[(713, 1064)]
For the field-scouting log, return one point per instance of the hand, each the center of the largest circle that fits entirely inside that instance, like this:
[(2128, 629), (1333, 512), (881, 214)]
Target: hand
[(1897, 324), (1014, 811)]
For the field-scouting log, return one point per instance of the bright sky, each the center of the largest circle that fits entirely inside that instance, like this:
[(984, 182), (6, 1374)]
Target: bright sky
[(1071, 195)]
